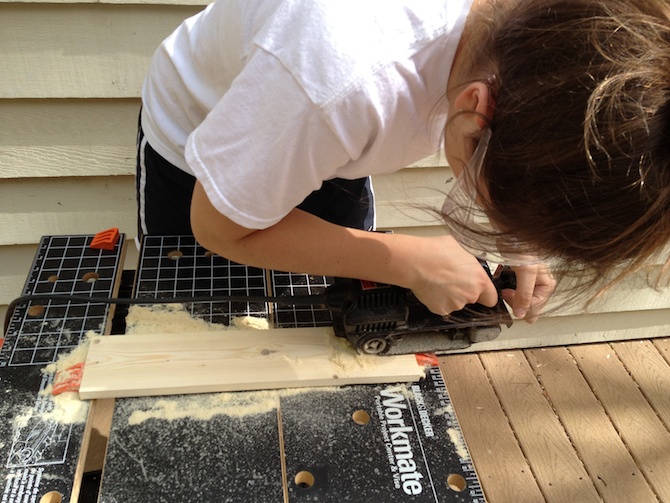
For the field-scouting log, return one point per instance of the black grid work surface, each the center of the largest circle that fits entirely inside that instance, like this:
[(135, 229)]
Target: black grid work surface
[(286, 284), (177, 267), (41, 330), (39, 448)]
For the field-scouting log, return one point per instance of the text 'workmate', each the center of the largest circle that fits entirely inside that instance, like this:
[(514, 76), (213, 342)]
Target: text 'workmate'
[(393, 406)]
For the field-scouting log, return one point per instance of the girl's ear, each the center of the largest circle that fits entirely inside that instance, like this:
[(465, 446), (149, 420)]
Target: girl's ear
[(477, 97)]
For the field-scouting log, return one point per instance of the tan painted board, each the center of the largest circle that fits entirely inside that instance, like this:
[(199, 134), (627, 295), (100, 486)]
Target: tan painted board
[(233, 360), (501, 465), (67, 137), (556, 467), (635, 419), (597, 442), (580, 329), (31, 208), (644, 361), (81, 50), (15, 262), (96, 137), (411, 197)]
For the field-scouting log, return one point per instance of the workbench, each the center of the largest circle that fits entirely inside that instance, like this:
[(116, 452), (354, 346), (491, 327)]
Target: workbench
[(579, 423), (372, 443)]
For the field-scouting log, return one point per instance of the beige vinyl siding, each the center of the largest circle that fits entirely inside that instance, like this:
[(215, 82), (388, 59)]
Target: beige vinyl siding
[(94, 50), (42, 138), (69, 97)]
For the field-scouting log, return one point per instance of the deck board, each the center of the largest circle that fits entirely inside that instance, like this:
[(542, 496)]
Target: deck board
[(554, 462), (579, 423), (640, 428), (651, 373), (597, 442), (502, 468)]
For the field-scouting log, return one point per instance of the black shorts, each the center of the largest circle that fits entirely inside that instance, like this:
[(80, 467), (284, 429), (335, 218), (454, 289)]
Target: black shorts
[(164, 197)]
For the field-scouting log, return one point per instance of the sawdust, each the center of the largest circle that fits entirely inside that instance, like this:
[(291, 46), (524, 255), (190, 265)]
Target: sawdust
[(204, 407), (68, 408), (77, 355), (458, 442), (455, 435), (174, 318), (250, 323), (346, 359), (444, 411)]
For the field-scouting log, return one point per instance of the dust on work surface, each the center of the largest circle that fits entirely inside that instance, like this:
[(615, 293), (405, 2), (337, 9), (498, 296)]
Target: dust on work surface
[(65, 408), (174, 318), (237, 404), (68, 408)]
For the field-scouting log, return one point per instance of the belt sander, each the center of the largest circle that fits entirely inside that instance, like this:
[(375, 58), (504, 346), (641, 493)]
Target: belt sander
[(385, 319)]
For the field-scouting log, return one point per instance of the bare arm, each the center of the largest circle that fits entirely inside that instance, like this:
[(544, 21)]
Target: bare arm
[(439, 272)]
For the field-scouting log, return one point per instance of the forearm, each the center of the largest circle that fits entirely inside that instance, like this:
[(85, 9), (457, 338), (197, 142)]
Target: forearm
[(440, 273), (304, 243)]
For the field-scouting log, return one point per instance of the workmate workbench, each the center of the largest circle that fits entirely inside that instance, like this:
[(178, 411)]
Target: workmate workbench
[(371, 443), (587, 423)]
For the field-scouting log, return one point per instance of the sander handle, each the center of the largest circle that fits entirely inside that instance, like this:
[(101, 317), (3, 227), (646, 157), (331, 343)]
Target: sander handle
[(504, 278)]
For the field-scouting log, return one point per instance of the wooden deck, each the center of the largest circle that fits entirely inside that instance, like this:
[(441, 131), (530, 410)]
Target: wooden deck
[(575, 424)]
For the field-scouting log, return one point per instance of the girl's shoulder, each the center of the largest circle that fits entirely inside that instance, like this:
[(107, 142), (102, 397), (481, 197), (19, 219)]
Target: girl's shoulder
[(330, 47)]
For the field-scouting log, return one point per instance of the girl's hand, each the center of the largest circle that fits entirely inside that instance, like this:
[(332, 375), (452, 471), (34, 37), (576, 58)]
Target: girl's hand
[(447, 277), (534, 286)]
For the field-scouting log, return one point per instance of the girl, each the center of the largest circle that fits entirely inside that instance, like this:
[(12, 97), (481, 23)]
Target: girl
[(262, 121)]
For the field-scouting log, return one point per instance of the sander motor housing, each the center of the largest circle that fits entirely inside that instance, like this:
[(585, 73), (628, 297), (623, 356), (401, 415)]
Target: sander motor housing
[(385, 319)]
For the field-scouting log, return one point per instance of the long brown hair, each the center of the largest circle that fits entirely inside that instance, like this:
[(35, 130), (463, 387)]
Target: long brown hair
[(578, 164)]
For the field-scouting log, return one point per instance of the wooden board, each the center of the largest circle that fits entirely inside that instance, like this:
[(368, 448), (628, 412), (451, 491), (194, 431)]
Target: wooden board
[(500, 463), (595, 439), (557, 468), (635, 419), (642, 322), (233, 360)]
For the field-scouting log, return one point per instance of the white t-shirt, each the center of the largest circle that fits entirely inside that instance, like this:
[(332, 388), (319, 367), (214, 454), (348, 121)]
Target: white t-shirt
[(264, 100)]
